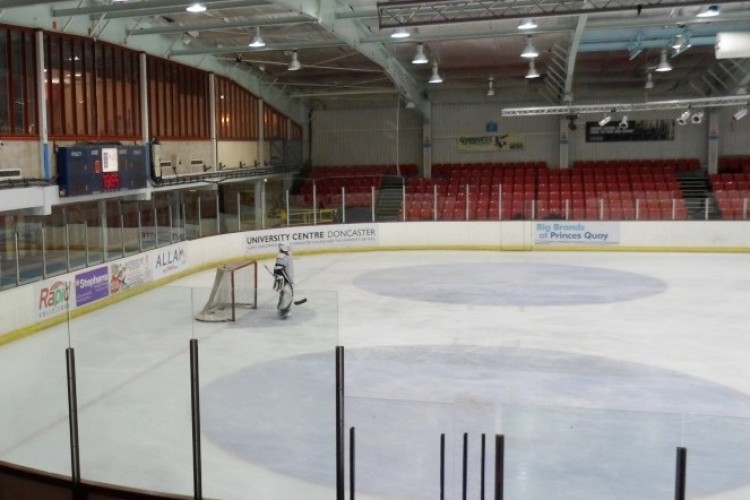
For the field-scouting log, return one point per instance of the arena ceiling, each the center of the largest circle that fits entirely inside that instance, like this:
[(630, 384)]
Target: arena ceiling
[(590, 51)]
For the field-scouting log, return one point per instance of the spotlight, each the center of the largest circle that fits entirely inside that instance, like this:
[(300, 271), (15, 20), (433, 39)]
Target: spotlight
[(649, 81), (572, 121), (419, 56), (697, 117), (739, 114), (400, 33), (623, 123), (711, 11), (490, 88), (435, 78), (663, 63), (294, 64), (533, 73), (527, 24), (605, 120), (257, 41), (683, 118), (529, 51), (196, 7)]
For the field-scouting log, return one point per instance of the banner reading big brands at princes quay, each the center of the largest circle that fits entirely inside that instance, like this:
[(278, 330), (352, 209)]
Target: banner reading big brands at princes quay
[(577, 233)]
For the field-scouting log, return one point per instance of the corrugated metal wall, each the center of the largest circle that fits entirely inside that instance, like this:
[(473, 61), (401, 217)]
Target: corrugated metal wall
[(449, 122), (366, 137), (357, 137)]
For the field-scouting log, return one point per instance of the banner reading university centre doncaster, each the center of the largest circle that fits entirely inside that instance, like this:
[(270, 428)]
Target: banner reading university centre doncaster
[(349, 235), (577, 233), (480, 143)]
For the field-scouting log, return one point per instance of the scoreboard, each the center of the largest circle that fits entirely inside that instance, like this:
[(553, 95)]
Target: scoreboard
[(95, 169)]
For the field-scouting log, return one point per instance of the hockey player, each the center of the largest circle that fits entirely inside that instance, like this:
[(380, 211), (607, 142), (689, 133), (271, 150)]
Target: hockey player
[(283, 272)]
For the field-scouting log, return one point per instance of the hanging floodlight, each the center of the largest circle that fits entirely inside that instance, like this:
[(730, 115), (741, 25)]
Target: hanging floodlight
[(697, 117), (490, 88), (294, 64), (739, 114), (663, 63), (605, 120), (683, 118), (196, 7), (533, 73), (419, 56), (529, 51), (710, 11), (528, 24), (649, 81), (400, 33), (257, 41), (435, 78), (623, 123)]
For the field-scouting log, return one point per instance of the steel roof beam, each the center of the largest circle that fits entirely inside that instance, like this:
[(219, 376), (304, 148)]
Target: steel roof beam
[(151, 8), (398, 14), (218, 25), (706, 102)]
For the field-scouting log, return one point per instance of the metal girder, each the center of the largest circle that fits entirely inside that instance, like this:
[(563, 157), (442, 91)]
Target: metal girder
[(232, 49), (424, 13), (218, 25), (583, 109), (152, 8)]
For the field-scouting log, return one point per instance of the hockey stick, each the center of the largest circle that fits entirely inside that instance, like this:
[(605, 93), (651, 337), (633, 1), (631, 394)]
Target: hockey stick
[(296, 302)]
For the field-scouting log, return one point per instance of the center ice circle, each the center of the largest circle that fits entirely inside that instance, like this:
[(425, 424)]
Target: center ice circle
[(506, 284)]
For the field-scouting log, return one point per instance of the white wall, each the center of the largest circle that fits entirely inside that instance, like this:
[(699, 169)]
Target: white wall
[(231, 153)]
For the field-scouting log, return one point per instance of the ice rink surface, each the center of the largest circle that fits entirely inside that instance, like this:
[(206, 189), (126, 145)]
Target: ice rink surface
[(594, 366)]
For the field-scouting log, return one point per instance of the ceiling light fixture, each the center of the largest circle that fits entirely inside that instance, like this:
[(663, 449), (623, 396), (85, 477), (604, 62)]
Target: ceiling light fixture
[(435, 78), (419, 56), (529, 51), (400, 33), (257, 41), (697, 117), (649, 81), (528, 24), (196, 7), (683, 118), (681, 44), (605, 120), (294, 64), (739, 114), (533, 73), (663, 63), (623, 123), (710, 11), (490, 88)]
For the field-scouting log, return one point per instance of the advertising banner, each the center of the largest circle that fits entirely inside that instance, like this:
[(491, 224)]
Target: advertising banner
[(129, 274), (577, 233), (52, 298), (168, 260), (483, 143), (631, 130), (91, 285), (349, 235)]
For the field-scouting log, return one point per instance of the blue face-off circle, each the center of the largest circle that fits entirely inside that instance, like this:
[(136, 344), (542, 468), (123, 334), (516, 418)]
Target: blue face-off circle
[(510, 284), (568, 419)]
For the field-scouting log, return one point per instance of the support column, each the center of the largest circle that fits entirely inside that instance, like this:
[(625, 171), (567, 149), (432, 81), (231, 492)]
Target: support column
[(212, 120), (564, 144), (41, 104), (712, 151)]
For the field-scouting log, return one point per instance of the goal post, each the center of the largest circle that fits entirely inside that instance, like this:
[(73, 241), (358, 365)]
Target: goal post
[(235, 287)]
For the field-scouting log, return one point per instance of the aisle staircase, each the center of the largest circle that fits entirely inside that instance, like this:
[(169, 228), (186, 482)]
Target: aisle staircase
[(696, 192), (390, 199)]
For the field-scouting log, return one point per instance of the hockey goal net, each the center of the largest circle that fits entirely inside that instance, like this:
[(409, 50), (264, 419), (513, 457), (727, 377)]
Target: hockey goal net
[(235, 287)]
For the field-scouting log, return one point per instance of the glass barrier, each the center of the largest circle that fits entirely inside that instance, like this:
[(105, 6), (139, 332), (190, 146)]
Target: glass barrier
[(419, 449), (34, 394), (76, 236), (268, 398), (133, 366), (30, 250)]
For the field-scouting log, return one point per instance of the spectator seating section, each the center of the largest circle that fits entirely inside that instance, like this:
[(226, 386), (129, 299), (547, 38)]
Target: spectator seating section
[(731, 187), (591, 190)]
